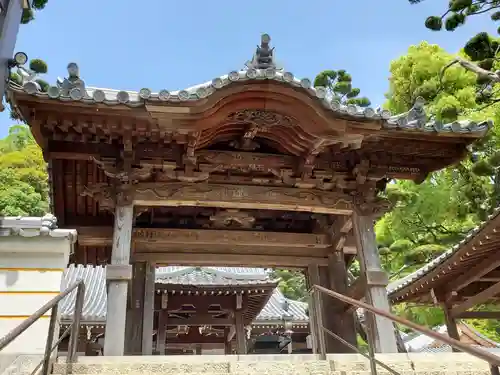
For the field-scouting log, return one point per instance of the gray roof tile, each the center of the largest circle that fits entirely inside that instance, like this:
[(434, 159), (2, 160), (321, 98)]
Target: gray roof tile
[(212, 276), (93, 95), (26, 226), (275, 309), (400, 284), (94, 309)]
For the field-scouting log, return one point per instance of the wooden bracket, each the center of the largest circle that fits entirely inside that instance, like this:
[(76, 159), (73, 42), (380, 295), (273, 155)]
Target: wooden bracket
[(118, 272), (164, 301), (376, 278)]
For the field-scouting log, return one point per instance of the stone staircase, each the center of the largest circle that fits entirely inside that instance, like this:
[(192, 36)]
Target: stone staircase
[(336, 364)]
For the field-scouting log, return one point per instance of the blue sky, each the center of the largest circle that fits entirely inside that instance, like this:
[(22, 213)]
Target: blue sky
[(175, 44)]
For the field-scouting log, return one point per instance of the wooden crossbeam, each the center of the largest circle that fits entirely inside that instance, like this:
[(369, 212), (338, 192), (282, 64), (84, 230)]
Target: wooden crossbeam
[(479, 315), (479, 298), (235, 260), (102, 236), (199, 320)]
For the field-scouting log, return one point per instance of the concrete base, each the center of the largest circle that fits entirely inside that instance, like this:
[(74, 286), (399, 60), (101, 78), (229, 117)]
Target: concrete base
[(336, 364)]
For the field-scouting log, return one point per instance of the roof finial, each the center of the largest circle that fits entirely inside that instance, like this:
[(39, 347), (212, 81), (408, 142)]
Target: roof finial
[(264, 56), (73, 85)]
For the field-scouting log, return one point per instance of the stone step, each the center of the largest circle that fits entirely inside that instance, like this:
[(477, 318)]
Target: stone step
[(336, 364), (429, 372)]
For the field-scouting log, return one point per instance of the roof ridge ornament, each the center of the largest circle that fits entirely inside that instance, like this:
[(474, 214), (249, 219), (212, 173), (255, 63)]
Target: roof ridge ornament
[(416, 117), (73, 86), (264, 56)]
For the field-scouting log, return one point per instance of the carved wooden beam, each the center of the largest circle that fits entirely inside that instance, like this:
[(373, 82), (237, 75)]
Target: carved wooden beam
[(230, 196), (91, 236), (395, 165)]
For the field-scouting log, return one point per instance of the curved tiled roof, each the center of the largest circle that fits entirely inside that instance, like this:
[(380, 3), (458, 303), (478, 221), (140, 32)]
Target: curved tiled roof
[(263, 67), (212, 276), (26, 226), (279, 306), (94, 277), (445, 259), (94, 95), (95, 301)]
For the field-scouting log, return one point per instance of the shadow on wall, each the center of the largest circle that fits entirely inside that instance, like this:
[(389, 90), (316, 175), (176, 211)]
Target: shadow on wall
[(11, 277)]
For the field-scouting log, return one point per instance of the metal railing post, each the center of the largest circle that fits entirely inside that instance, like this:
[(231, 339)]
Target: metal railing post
[(75, 327), (319, 322), (50, 340), (52, 305), (371, 342), (491, 358), (313, 327)]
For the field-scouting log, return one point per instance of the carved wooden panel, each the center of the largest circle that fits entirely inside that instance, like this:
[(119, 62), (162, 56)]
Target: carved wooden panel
[(189, 237), (241, 196)]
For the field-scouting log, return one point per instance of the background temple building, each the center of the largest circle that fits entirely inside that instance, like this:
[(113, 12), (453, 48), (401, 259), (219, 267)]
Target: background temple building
[(270, 314), (464, 281)]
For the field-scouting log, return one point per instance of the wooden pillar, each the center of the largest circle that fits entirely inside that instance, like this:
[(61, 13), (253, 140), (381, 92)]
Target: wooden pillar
[(338, 320), (451, 325), (118, 274), (148, 309), (227, 341), (162, 329), (382, 328), (198, 349), (241, 340), (316, 311), (133, 331)]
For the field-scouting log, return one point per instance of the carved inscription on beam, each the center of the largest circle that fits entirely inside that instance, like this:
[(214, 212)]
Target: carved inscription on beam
[(231, 196), (92, 236)]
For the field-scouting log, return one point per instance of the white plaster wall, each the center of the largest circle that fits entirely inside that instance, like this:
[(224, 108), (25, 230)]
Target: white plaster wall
[(31, 271)]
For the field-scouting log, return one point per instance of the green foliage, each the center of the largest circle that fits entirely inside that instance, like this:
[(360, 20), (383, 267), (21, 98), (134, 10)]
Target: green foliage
[(482, 48), (339, 85), (488, 326), (23, 176), (431, 217), (38, 66), (458, 12), (29, 14), (418, 74), (292, 284), (44, 85), (14, 77)]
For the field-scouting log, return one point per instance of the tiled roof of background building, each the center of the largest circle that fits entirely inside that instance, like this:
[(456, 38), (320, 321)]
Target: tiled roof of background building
[(94, 309)]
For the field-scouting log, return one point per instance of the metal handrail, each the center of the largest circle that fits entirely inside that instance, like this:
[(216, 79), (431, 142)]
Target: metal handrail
[(53, 305), (492, 359)]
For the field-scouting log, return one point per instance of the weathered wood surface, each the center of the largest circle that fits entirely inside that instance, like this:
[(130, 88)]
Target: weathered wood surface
[(135, 310), (205, 246), (376, 295), (91, 236), (184, 258), (228, 196), (118, 289), (149, 308)]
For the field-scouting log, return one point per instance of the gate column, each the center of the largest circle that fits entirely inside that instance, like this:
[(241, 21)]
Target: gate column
[(118, 274), (384, 338)]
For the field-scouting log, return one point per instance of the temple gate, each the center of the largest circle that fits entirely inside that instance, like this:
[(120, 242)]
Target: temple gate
[(254, 168)]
